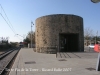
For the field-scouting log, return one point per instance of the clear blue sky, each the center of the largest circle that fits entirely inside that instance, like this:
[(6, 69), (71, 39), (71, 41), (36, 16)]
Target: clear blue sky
[(21, 12)]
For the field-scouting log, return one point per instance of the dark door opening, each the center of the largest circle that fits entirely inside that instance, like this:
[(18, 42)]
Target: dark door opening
[(68, 42)]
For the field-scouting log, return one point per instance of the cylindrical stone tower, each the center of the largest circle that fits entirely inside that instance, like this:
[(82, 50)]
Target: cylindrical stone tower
[(59, 33)]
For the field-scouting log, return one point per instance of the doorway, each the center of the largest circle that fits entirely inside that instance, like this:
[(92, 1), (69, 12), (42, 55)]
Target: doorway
[(68, 42)]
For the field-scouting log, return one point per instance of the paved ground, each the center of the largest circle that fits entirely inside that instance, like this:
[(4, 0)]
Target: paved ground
[(32, 63), (77, 55)]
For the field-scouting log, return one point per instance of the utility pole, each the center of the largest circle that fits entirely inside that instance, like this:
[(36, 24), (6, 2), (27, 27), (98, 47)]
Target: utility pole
[(31, 34), (96, 37)]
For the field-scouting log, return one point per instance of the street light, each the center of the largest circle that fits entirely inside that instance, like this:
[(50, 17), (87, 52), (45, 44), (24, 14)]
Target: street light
[(95, 1), (98, 60), (31, 33)]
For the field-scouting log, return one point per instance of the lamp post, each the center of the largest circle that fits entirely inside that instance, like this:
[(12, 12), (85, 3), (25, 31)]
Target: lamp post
[(98, 60), (95, 1), (31, 33)]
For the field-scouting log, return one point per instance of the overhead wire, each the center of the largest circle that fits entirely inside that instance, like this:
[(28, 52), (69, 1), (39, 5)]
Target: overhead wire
[(10, 25), (7, 23), (8, 19)]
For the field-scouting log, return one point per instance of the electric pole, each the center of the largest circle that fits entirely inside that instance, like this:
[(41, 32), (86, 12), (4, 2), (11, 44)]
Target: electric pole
[(96, 37), (31, 34)]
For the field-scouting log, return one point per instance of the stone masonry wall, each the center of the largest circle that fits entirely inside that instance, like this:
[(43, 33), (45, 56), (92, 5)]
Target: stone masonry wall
[(48, 29)]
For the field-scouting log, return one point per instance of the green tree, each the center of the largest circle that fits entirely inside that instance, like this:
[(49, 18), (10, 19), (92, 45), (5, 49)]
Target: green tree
[(33, 36), (88, 33), (28, 38), (97, 38)]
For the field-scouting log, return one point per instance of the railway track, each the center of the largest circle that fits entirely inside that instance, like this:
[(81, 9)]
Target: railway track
[(7, 59), (2, 52)]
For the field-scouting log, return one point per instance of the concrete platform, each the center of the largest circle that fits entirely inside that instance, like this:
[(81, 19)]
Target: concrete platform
[(29, 62)]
